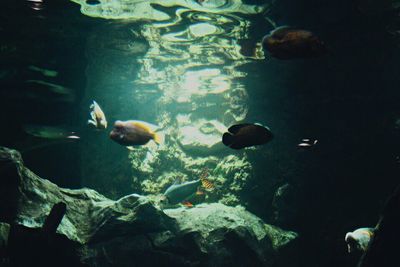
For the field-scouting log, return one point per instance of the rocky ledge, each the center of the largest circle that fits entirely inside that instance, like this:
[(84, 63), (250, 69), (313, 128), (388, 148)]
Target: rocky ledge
[(132, 231)]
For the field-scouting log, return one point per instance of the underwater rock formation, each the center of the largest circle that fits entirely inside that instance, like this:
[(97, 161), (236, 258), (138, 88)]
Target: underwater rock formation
[(134, 231), (4, 231), (157, 169)]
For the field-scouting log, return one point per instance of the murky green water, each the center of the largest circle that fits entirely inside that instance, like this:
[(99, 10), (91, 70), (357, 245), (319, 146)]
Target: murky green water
[(193, 69)]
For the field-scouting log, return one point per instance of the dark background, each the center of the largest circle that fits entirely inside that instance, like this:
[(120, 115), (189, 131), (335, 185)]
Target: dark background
[(349, 100)]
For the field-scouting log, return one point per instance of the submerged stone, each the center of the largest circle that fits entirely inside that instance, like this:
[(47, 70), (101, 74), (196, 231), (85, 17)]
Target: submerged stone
[(134, 230)]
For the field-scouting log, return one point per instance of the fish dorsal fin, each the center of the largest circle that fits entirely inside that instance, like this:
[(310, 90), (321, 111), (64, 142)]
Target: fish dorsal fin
[(261, 125), (142, 126), (178, 180), (281, 31), (235, 128), (151, 128)]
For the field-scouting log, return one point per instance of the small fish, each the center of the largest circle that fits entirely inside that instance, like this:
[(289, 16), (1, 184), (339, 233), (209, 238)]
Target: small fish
[(179, 192), (187, 204), (45, 72), (307, 143), (359, 239), (52, 87), (289, 43), (245, 135), (46, 91), (304, 145), (49, 132), (98, 119), (135, 133)]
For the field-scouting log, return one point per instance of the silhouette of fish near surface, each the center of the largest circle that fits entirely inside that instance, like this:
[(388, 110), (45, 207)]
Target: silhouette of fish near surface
[(289, 43), (245, 135)]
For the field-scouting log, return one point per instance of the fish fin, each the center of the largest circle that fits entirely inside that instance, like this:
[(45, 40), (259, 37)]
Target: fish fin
[(159, 138), (235, 128), (207, 184), (187, 204), (227, 139), (143, 126), (199, 192), (280, 31), (93, 105), (91, 123), (131, 148), (151, 145), (259, 124)]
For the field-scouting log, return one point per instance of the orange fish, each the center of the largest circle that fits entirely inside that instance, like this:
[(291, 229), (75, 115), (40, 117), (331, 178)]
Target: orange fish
[(187, 204), (135, 133)]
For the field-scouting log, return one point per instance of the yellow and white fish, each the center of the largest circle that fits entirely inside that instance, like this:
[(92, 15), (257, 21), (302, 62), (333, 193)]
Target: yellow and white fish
[(135, 133), (359, 239), (98, 118)]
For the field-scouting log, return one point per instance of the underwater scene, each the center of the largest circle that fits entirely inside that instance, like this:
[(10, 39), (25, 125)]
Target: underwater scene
[(200, 133)]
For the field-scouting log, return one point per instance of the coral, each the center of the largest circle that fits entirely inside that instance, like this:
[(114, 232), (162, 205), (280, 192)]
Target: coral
[(155, 169)]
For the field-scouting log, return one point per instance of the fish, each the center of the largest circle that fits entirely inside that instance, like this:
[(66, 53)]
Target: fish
[(359, 239), (187, 204), (289, 43), (45, 72), (245, 135), (179, 192), (46, 91), (49, 132), (307, 143), (304, 145), (135, 133), (98, 118)]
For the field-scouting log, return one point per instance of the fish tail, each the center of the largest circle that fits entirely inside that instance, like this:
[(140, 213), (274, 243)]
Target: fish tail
[(207, 184), (159, 138), (227, 139)]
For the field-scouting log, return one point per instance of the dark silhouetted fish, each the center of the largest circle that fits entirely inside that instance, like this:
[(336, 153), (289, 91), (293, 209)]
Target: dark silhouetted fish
[(289, 43), (135, 133), (49, 132), (245, 135)]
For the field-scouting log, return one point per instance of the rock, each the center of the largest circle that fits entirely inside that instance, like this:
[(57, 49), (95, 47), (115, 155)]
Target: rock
[(4, 231), (282, 204), (89, 217), (155, 170), (200, 137), (132, 231)]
